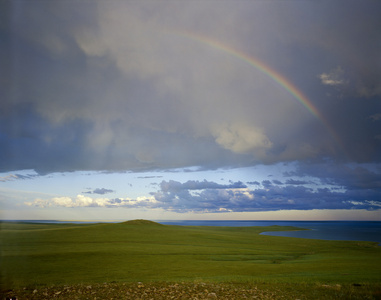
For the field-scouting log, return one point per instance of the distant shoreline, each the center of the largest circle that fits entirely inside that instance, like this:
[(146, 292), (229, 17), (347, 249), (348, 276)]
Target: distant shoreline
[(173, 221)]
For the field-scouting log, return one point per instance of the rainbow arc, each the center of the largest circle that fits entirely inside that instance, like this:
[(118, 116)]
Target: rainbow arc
[(268, 71)]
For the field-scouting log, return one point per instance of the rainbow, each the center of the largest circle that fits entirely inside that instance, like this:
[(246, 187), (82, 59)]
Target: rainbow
[(271, 73)]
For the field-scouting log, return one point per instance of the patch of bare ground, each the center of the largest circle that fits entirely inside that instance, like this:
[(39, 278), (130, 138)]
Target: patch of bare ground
[(193, 290), (199, 290)]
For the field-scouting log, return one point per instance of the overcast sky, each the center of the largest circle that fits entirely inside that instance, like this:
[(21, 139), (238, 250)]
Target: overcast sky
[(190, 109)]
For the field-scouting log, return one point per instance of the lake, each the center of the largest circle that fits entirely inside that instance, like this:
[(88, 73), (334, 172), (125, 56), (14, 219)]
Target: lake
[(322, 230)]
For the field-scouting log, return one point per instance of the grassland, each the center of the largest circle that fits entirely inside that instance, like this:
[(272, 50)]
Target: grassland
[(49, 258)]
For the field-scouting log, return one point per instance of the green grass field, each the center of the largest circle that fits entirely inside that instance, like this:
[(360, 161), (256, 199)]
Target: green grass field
[(36, 255)]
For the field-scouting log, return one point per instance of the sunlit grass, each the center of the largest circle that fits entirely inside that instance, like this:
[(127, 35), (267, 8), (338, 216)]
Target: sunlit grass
[(61, 254)]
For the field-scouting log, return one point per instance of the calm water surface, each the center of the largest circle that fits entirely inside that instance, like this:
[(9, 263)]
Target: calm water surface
[(322, 230)]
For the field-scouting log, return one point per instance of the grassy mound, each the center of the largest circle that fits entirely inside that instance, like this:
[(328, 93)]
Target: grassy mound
[(141, 222)]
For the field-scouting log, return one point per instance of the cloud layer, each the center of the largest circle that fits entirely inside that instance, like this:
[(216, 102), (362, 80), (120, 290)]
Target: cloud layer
[(119, 85), (341, 190)]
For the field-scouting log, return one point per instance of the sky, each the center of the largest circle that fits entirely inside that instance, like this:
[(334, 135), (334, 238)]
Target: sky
[(163, 110)]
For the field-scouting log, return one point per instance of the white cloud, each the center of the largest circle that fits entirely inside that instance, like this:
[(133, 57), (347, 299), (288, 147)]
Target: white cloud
[(61, 201), (37, 202), (241, 138), (90, 43), (84, 201), (223, 209), (334, 77)]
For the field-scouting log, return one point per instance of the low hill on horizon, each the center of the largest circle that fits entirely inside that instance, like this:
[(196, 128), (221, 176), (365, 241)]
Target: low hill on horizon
[(141, 222)]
